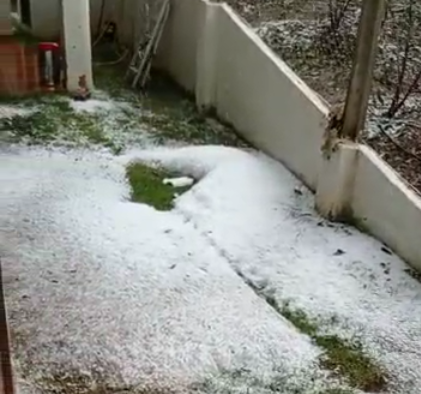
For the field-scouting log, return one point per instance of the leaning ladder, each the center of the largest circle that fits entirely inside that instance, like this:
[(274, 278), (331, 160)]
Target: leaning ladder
[(141, 62)]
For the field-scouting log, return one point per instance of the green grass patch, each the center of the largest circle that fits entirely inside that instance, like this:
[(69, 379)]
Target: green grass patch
[(70, 383), (161, 114), (148, 186), (347, 359), (23, 33), (248, 381), (51, 118), (165, 110), (173, 115), (344, 358)]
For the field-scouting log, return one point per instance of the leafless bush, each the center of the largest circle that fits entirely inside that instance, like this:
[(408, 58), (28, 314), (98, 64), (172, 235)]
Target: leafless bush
[(400, 53), (398, 69), (338, 29)]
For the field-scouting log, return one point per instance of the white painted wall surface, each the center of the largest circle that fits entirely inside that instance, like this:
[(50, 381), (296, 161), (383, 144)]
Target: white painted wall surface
[(125, 16), (46, 16), (336, 181), (179, 47), (265, 101), (387, 207), (5, 21), (209, 50), (207, 57), (133, 18)]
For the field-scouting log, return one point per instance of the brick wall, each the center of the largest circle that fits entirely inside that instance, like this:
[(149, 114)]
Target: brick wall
[(18, 67)]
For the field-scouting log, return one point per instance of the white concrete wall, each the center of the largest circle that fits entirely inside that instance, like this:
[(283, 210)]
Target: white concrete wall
[(133, 20), (126, 19), (178, 52), (210, 51), (384, 205), (265, 101), (5, 21), (46, 16), (357, 184)]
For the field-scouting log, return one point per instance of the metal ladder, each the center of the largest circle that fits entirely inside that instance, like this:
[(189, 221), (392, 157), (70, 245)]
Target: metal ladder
[(141, 62)]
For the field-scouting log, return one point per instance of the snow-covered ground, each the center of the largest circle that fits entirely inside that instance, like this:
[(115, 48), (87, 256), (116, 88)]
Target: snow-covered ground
[(261, 221), (101, 286), (105, 295), (102, 289)]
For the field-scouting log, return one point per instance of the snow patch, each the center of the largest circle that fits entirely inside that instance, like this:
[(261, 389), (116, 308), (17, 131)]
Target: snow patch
[(9, 111), (179, 182), (122, 293), (290, 33), (137, 296), (92, 106), (273, 237)]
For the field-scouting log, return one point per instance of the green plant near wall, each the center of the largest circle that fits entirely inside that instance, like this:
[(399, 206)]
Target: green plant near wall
[(23, 33)]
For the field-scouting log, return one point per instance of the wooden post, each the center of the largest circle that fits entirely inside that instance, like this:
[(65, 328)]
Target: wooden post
[(6, 372), (356, 105)]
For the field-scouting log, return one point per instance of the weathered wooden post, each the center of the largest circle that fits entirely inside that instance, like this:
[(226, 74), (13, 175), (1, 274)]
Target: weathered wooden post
[(356, 105), (6, 378), (335, 187)]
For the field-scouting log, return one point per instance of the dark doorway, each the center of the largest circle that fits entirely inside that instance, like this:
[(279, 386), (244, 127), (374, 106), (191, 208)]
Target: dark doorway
[(25, 12), (14, 5)]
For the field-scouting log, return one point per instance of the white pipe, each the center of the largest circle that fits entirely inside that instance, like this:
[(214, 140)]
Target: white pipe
[(49, 69)]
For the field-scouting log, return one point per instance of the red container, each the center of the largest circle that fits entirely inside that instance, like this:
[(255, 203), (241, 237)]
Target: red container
[(49, 64)]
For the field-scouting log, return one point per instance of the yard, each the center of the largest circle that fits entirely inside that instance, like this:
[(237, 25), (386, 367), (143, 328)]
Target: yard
[(148, 249)]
